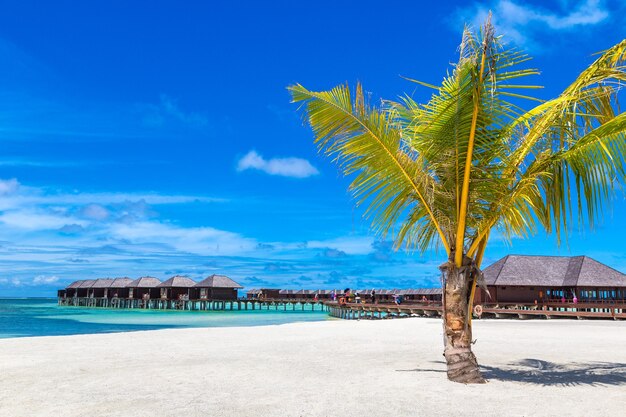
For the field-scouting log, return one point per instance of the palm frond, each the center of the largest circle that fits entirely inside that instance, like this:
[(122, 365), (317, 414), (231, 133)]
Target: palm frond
[(365, 141)]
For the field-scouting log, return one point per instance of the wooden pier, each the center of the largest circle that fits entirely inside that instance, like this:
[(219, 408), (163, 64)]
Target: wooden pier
[(241, 304), (354, 311), (382, 311), (554, 310), (581, 311)]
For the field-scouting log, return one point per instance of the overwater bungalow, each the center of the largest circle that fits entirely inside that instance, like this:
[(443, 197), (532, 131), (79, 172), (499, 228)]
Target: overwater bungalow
[(286, 294), (386, 295), (144, 287), (304, 294), (253, 293), (421, 294), (72, 289), (273, 293), (176, 287), (118, 288), (216, 287), (100, 287), (84, 289), (323, 294), (530, 279)]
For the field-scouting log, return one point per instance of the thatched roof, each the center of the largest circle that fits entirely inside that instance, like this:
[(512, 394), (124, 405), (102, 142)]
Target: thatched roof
[(121, 282), (218, 281), (177, 281), (102, 283), (144, 282), (75, 284), (552, 271), (88, 283)]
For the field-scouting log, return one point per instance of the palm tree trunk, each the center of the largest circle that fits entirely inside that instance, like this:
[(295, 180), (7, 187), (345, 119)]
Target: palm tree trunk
[(462, 364)]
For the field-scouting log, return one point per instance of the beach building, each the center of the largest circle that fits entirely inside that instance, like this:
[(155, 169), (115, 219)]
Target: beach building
[(144, 287), (216, 287), (526, 279), (176, 287)]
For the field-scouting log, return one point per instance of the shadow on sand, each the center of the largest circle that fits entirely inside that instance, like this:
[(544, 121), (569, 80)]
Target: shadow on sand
[(535, 371)]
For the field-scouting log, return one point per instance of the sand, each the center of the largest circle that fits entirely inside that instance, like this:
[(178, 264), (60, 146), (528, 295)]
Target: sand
[(331, 368)]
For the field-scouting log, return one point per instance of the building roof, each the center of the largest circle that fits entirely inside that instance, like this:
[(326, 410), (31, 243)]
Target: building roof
[(102, 283), (75, 284), (88, 283), (218, 281), (552, 271), (121, 282), (144, 282), (177, 281)]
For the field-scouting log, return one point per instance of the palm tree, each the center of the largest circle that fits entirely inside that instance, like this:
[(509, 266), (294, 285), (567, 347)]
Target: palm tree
[(472, 160)]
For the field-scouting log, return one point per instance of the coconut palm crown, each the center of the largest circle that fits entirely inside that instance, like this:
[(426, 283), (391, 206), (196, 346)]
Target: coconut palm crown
[(474, 159)]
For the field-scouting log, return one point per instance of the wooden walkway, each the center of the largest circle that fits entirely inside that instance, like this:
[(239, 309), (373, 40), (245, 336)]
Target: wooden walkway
[(195, 305), (509, 311), (352, 311), (596, 310), (381, 311)]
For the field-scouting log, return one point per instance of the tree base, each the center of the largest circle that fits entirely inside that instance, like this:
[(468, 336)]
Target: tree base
[(462, 366)]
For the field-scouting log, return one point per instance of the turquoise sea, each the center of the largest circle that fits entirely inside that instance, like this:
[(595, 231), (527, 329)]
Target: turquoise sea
[(43, 317)]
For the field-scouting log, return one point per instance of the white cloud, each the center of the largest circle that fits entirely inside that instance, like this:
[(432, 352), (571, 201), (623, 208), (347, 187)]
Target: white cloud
[(95, 211), (199, 240), (16, 195), (8, 187), (522, 23), (36, 220), (45, 280), (350, 245), (357, 245), (48, 234), (286, 167)]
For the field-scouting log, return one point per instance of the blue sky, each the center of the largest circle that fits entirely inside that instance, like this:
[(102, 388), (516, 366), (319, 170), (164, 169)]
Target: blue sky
[(157, 138)]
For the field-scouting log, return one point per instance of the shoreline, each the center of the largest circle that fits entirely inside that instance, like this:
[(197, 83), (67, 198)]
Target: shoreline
[(324, 368)]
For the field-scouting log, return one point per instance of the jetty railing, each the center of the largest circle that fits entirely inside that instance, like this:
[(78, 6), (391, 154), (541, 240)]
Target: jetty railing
[(358, 311), (607, 310)]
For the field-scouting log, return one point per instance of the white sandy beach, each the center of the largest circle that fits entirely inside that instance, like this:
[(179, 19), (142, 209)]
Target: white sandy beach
[(333, 368)]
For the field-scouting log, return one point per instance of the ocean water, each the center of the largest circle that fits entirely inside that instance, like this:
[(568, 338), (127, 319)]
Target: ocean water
[(43, 317)]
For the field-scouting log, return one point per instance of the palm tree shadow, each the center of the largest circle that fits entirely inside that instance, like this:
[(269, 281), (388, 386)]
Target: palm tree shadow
[(535, 371)]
